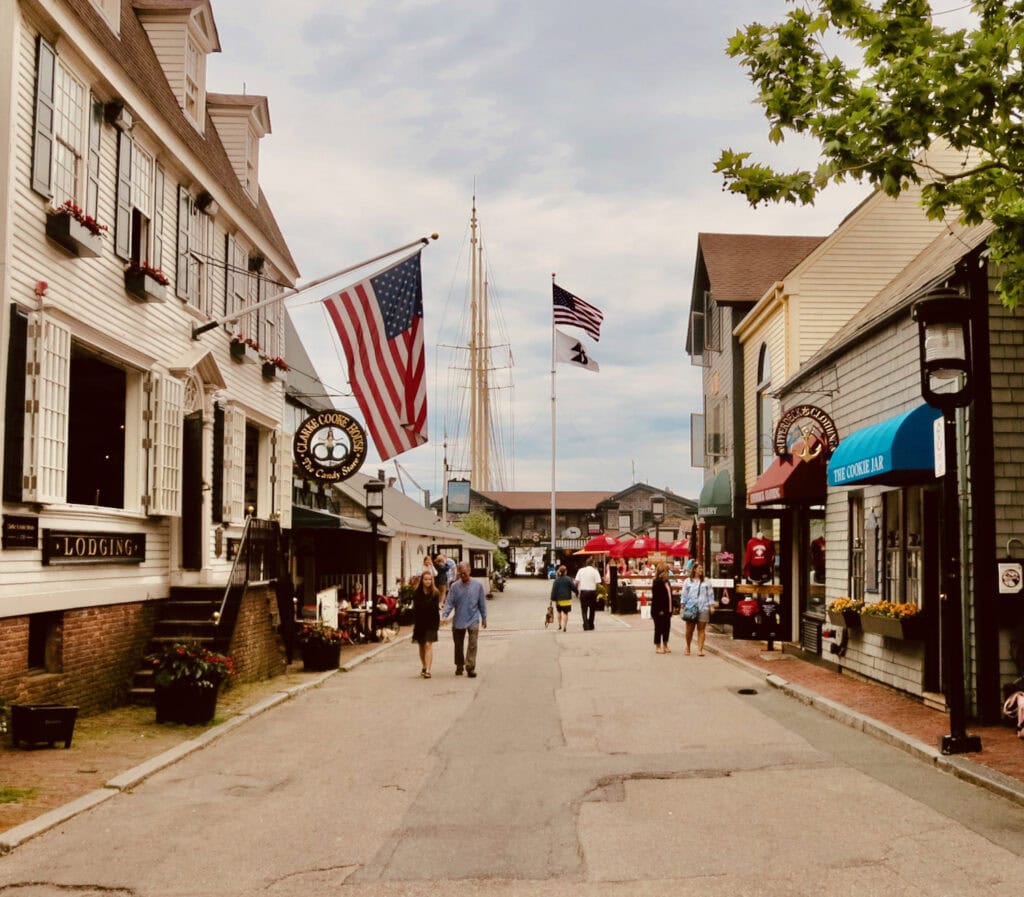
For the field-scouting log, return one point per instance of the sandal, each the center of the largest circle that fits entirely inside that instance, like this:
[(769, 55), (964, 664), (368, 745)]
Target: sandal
[(426, 674)]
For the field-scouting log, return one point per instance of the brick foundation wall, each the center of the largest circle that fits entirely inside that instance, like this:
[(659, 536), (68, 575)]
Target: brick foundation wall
[(256, 647), (99, 649)]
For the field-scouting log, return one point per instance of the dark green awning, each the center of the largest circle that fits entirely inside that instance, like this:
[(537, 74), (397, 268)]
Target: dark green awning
[(716, 496)]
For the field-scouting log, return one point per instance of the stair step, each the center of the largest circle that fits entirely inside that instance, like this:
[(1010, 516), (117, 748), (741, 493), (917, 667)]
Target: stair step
[(142, 696)]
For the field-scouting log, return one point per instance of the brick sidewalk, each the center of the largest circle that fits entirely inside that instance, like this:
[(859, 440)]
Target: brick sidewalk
[(1001, 751)]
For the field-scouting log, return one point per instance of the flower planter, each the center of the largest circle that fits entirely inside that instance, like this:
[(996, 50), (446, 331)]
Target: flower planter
[(848, 618), (144, 286), (37, 723), (317, 656), (269, 370), (240, 351), (191, 703), (75, 237), (890, 627)]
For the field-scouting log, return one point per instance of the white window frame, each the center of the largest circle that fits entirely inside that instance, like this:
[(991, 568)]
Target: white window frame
[(70, 136), (192, 98)]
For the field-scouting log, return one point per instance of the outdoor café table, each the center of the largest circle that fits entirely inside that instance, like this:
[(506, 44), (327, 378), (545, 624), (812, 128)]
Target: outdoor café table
[(353, 621)]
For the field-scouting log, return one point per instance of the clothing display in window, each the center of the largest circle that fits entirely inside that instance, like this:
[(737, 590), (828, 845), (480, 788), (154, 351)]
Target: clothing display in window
[(759, 558)]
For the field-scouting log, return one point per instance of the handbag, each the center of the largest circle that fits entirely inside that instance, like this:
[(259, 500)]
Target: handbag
[(691, 610)]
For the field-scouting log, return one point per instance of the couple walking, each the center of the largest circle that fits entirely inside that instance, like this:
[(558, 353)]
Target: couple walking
[(697, 601), (467, 599), (563, 588)]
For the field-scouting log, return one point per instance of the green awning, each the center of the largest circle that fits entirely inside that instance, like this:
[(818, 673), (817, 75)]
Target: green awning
[(309, 518), (716, 496)]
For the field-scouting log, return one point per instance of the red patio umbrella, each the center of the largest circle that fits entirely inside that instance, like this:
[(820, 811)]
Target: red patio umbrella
[(599, 545), (678, 549), (638, 547)]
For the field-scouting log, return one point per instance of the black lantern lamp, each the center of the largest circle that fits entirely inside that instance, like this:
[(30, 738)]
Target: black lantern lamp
[(374, 514), (657, 515), (944, 334)]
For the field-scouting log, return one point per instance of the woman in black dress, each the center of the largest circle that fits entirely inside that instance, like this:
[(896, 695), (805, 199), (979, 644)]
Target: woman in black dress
[(426, 619), (661, 608)]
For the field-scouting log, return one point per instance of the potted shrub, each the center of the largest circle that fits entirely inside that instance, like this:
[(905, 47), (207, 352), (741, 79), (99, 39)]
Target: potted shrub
[(186, 680), (145, 282), (893, 620), (320, 645), (845, 611), (80, 234), (405, 612)]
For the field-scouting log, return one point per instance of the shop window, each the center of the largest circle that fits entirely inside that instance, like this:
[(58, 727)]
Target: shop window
[(857, 545), (893, 524), (45, 642), (816, 553), (96, 432)]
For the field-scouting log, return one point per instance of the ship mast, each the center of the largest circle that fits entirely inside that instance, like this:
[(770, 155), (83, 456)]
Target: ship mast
[(479, 365)]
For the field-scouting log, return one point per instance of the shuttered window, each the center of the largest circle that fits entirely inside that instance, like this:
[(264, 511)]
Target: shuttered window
[(234, 464), (281, 471), (123, 218), (166, 397), (46, 411), (42, 144), (92, 193)]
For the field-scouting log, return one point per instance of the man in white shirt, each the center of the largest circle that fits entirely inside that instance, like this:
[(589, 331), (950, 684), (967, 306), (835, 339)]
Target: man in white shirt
[(587, 580)]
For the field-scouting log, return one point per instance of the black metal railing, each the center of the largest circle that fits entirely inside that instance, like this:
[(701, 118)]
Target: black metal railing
[(257, 560)]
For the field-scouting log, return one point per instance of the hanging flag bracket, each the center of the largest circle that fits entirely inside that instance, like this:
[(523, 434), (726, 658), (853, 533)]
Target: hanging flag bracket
[(287, 294)]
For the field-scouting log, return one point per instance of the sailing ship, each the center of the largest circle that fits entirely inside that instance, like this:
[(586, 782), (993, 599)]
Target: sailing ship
[(478, 429)]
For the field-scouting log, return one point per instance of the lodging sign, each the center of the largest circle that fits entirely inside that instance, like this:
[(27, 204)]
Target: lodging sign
[(68, 547), (330, 446)]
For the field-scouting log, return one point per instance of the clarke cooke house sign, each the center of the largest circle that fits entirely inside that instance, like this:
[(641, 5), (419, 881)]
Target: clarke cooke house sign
[(330, 446)]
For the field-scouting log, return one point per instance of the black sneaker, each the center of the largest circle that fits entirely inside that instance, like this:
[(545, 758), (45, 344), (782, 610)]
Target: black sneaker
[(471, 674), (458, 671)]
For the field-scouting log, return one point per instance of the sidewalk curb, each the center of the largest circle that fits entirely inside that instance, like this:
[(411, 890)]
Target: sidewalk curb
[(959, 766), (133, 777)]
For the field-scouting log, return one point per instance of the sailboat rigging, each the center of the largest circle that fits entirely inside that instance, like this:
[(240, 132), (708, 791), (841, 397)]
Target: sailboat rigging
[(477, 434)]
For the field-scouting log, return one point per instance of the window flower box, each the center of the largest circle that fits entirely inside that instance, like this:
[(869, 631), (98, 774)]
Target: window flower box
[(69, 227), (242, 348), (271, 365), (891, 620), (848, 618), (145, 283)]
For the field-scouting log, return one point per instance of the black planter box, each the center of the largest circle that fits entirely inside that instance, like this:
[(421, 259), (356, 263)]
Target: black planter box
[(74, 236), (186, 702), (37, 723), (317, 656), (144, 286)]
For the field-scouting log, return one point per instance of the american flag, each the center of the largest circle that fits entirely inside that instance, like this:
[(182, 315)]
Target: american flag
[(380, 324), (576, 312)]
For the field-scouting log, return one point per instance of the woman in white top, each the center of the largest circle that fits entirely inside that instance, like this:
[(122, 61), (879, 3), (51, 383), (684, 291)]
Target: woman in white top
[(697, 591)]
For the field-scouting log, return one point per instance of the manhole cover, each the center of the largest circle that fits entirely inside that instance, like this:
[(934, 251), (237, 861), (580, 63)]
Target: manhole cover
[(747, 691)]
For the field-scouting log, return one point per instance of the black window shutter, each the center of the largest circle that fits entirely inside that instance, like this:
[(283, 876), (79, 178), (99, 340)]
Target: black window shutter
[(157, 261), (14, 434), (123, 220), (181, 274), (217, 487), (42, 147), (92, 196)]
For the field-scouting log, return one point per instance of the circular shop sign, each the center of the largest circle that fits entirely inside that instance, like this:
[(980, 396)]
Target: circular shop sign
[(330, 446)]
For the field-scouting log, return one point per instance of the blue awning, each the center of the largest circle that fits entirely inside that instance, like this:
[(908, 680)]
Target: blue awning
[(897, 451)]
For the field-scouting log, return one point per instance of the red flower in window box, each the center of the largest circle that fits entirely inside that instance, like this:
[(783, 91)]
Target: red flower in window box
[(87, 221), (144, 268)]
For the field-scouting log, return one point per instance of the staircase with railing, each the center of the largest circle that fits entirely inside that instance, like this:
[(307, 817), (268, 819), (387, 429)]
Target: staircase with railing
[(207, 614)]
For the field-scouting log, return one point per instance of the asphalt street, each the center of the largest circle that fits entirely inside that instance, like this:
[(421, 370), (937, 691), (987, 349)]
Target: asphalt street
[(575, 763)]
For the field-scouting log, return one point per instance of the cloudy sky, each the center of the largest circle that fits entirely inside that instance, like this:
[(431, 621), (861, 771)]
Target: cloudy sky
[(590, 130)]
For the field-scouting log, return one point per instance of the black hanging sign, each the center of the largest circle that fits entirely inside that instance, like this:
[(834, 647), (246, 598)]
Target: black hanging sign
[(64, 547)]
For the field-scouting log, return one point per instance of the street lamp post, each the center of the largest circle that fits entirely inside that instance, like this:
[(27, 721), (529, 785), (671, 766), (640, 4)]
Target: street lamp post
[(657, 515), (944, 335), (374, 514)]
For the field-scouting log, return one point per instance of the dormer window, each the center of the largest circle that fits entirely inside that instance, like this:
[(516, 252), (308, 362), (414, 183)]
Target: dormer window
[(193, 80), (183, 34)]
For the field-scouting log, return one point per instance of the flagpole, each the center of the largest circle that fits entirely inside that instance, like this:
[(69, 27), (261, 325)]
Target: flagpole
[(553, 443), (287, 294)]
